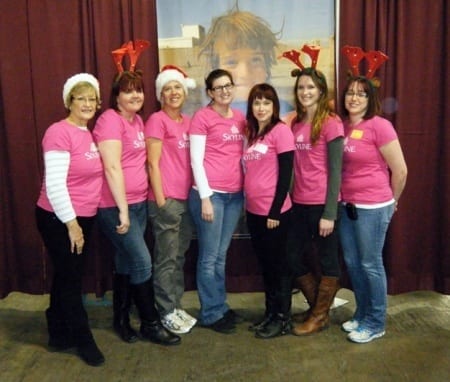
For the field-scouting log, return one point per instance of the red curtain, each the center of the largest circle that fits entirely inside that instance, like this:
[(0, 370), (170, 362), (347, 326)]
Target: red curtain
[(44, 42), (415, 91)]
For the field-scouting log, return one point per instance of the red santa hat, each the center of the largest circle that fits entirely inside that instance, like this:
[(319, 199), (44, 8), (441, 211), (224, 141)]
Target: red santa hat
[(173, 73)]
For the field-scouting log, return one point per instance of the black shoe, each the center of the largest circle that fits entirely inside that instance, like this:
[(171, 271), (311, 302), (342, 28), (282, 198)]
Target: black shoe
[(125, 332), (155, 332), (232, 316), (276, 327), (223, 325), (91, 354), (261, 324)]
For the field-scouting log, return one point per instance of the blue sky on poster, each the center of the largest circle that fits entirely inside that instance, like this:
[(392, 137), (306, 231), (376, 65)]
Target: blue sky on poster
[(314, 18)]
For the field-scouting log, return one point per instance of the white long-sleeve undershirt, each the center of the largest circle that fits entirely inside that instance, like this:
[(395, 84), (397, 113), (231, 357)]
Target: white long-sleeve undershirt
[(197, 148), (56, 171)]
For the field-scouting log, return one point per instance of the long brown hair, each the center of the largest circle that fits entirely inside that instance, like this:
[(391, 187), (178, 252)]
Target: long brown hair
[(323, 108)]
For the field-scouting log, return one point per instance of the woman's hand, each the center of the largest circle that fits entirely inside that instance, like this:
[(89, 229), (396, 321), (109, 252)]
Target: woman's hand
[(124, 225), (75, 236), (326, 227), (271, 223), (207, 210)]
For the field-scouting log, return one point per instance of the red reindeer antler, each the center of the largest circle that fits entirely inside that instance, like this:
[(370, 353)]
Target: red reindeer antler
[(375, 59), (354, 55), (133, 50), (118, 57), (294, 56), (313, 52), (139, 47)]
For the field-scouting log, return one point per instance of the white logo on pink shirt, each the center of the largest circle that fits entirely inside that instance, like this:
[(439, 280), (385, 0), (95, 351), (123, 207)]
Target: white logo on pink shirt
[(184, 143), (92, 153), (234, 136), (300, 145), (139, 143)]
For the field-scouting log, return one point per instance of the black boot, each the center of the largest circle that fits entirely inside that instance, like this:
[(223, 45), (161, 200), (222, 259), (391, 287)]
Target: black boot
[(59, 335), (121, 308), (281, 321), (278, 326), (89, 352), (269, 314), (151, 327)]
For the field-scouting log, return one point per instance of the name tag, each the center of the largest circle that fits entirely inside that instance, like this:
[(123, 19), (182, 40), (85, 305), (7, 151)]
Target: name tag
[(357, 134), (261, 147)]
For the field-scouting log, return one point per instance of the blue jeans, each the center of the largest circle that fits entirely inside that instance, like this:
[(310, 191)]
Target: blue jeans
[(213, 241), (132, 256), (362, 243)]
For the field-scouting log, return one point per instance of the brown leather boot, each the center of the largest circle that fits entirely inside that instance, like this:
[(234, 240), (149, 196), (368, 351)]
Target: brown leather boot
[(309, 287), (319, 318)]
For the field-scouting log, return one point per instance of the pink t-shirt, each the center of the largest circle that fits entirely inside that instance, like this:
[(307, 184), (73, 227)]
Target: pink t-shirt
[(261, 169), (112, 126), (84, 179), (224, 145), (365, 174), (311, 161), (175, 159)]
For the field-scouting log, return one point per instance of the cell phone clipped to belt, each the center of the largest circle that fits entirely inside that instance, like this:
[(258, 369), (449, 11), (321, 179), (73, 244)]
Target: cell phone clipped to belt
[(352, 213)]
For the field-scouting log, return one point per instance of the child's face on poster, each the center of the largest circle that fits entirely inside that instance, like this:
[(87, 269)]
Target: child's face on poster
[(247, 66)]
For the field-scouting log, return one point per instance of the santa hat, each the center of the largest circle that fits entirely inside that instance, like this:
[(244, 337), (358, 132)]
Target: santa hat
[(77, 78), (173, 73)]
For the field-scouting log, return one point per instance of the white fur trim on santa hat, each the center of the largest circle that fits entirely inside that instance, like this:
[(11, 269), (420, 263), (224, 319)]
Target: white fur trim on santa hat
[(173, 74), (75, 79)]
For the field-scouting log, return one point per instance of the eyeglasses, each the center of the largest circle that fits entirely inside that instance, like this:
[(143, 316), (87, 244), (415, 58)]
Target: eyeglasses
[(85, 99), (358, 95), (227, 87)]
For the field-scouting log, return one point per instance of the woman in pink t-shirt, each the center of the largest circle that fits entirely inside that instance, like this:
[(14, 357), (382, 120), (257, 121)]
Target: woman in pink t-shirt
[(216, 138), (268, 161), (169, 168), (65, 214), (373, 177), (122, 215), (318, 136)]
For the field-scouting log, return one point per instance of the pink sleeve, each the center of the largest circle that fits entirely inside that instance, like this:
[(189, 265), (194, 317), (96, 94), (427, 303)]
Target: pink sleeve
[(108, 126), (333, 129), (154, 127), (384, 132), (56, 139), (198, 124)]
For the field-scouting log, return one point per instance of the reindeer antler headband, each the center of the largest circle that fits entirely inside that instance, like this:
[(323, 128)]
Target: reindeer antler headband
[(375, 59), (294, 55), (133, 49)]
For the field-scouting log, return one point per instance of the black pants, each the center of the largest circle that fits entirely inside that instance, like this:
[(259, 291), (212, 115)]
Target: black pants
[(66, 305), (270, 248), (303, 233)]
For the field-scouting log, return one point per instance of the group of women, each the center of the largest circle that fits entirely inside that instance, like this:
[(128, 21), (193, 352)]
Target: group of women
[(197, 174)]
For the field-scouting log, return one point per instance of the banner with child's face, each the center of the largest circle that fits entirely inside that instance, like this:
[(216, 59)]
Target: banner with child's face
[(248, 38)]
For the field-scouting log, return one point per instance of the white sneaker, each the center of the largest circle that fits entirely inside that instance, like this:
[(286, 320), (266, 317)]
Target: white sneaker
[(350, 326), (173, 323), (186, 317), (362, 336)]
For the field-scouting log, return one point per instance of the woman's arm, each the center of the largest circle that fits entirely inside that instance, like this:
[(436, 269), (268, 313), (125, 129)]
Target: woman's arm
[(56, 170), (197, 151), (154, 149), (334, 163), (285, 164), (111, 153), (393, 155)]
